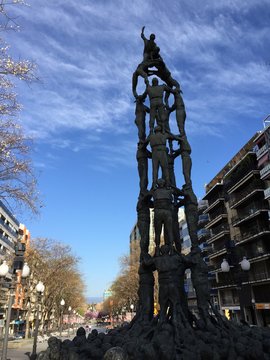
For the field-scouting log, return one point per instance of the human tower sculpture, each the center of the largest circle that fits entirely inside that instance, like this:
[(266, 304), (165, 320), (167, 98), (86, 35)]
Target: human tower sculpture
[(156, 144)]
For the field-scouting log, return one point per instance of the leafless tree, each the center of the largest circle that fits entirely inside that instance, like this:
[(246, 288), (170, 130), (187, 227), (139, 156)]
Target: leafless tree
[(17, 180)]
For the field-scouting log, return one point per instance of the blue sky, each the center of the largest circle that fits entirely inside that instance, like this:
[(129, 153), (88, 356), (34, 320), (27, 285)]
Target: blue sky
[(81, 113)]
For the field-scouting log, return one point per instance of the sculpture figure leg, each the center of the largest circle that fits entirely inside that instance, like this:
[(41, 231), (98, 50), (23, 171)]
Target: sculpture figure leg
[(143, 174), (165, 167), (180, 119), (186, 167), (153, 112), (140, 123)]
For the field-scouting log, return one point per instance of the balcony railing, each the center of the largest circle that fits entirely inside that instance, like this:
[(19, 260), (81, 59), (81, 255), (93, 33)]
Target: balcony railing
[(248, 213), (240, 175), (216, 247), (8, 227), (255, 185), (216, 213), (219, 195), (7, 241), (223, 227), (203, 204), (267, 193), (259, 276), (265, 171), (261, 151), (251, 233), (203, 218), (203, 233)]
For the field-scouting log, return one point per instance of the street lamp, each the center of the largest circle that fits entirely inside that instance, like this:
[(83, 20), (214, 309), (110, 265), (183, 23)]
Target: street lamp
[(4, 269), (73, 320), (69, 311), (131, 308), (62, 304), (238, 276), (39, 289)]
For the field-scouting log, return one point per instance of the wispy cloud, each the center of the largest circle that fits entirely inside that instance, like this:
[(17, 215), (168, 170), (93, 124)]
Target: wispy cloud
[(87, 54)]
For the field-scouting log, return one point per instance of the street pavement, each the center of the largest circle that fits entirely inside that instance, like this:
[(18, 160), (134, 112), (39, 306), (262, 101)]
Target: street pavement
[(23, 348)]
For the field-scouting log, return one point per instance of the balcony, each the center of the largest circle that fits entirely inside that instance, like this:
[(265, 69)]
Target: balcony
[(240, 197), (216, 216), (214, 203), (262, 151), (8, 228), (217, 247), (217, 232), (203, 218), (202, 205), (252, 234), (203, 233), (7, 241), (250, 173), (251, 213), (267, 193), (256, 277), (204, 247), (265, 172)]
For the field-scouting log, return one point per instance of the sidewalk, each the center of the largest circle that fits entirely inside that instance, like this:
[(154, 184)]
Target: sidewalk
[(21, 349)]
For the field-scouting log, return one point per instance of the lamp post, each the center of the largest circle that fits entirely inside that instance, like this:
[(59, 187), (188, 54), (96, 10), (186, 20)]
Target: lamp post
[(69, 311), (39, 289), (4, 269), (238, 276), (62, 304)]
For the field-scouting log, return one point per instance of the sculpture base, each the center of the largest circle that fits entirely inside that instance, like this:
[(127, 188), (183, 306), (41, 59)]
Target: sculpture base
[(219, 339)]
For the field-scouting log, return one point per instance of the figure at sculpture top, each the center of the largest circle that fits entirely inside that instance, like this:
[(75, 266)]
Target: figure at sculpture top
[(152, 58), (151, 50)]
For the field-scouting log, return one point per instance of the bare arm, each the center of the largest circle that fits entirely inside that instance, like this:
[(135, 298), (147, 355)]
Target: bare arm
[(142, 34)]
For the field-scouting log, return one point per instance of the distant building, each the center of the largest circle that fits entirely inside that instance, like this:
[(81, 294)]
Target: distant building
[(238, 226)]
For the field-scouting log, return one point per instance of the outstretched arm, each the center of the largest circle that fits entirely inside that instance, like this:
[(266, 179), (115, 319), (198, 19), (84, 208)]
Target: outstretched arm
[(142, 33)]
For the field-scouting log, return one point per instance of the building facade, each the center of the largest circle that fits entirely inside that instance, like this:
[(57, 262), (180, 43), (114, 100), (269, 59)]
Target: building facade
[(14, 239), (238, 227)]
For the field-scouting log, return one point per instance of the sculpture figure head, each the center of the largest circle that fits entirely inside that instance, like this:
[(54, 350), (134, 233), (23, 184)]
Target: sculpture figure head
[(164, 250), (157, 129), (161, 183), (54, 348), (152, 37), (155, 81)]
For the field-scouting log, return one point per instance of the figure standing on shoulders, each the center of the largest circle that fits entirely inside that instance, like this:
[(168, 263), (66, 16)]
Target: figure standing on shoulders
[(151, 50), (163, 214), (158, 142), (157, 106)]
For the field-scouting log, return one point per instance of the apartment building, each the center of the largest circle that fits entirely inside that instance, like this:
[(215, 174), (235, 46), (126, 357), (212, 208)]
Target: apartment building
[(14, 240), (238, 226)]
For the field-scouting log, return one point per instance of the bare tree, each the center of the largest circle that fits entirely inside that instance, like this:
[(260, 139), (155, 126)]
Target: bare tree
[(56, 266), (17, 181)]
